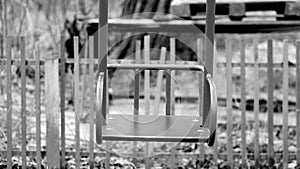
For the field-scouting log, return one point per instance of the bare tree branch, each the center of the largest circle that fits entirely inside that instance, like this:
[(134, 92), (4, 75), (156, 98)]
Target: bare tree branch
[(23, 19)]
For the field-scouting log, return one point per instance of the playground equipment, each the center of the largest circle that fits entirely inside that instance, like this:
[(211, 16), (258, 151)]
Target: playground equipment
[(237, 10), (168, 128), (55, 151)]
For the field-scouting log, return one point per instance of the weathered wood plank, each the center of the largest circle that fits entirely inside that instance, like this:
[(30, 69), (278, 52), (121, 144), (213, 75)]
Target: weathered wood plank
[(83, 79), (229, 101), (181, 10), (9, 102), (292, 9), (38, 107), (52, 112), (92, 99), (237, 9), (285, 107), (23, 102), (270, 103), (243, 102), (77, 101), (256, 105), (223, 27), (62, 101), (159, 82)]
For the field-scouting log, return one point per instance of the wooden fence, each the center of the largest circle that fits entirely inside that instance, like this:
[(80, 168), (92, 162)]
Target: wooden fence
[(55, 98)]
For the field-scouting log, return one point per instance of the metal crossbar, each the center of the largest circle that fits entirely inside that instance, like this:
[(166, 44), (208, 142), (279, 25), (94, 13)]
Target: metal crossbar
[(156, 67)]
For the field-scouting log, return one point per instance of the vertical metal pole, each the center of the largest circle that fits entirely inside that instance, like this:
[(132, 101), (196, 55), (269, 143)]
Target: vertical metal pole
[(208, 53), (103, 48), (210, 35), (102, 65)]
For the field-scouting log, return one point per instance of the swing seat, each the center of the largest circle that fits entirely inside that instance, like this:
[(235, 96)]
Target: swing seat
[(154, 128), (169, 128)]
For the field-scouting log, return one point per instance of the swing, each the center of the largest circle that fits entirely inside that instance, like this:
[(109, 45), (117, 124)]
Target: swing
[(153, 128)]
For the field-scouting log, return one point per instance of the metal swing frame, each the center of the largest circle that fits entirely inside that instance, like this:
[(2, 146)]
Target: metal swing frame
[(167, 128)]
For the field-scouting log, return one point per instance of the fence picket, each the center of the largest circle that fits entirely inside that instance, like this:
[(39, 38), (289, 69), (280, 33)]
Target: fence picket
[(38, 107), (92, 99), (77, 101), (298, 100), (172, 95), (9, 102), (215, 72), (256, 105), (229, 101), (173, 73), (168, 92), (83, 85), (62, 101), (107, 154), (270, 104), (137, 78), (147, 74), (23, 102), (147, 94), (285, 108), (52, 112), (137, 89), (243, 102), (90, 61), (159, 82)]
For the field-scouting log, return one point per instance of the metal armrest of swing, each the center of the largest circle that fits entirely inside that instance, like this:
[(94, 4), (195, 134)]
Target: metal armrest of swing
[(99, 98), (99, 91), (212, 116)]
